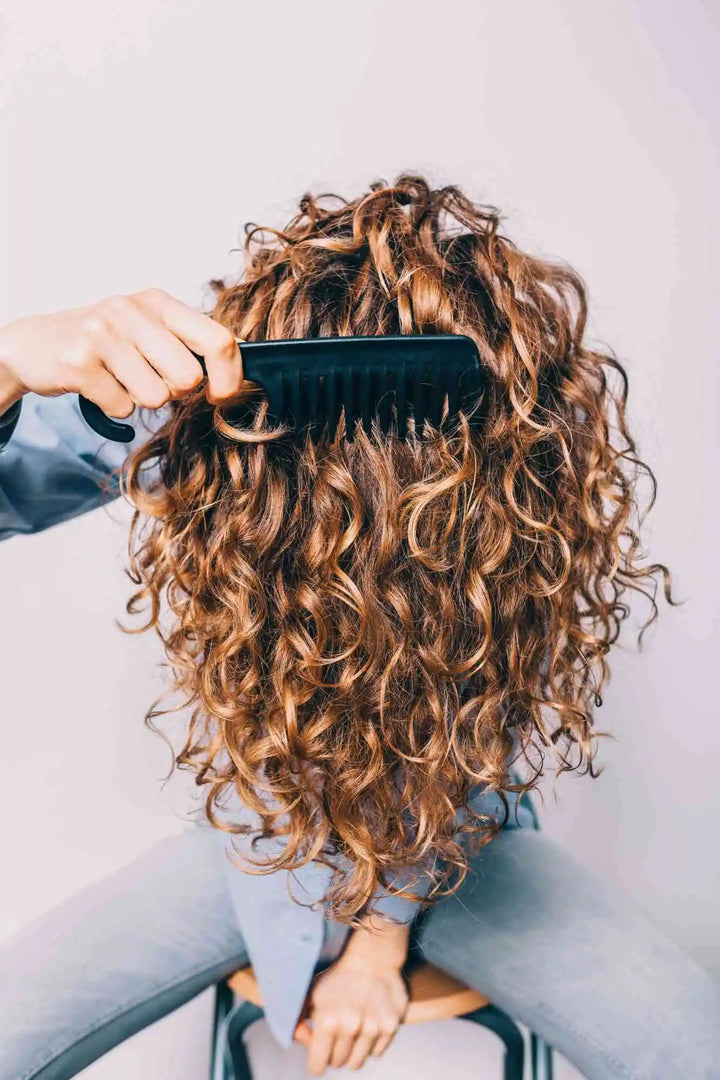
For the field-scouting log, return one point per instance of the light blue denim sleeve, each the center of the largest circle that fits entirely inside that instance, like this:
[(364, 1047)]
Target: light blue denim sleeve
[(53, 466), (399, 909)]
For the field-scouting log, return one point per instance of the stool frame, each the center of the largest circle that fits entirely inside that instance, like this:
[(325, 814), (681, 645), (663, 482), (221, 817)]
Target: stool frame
[(229, 1059)]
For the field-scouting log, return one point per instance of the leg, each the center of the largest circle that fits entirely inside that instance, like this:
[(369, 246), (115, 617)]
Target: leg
[(558, 950), (115, 958)]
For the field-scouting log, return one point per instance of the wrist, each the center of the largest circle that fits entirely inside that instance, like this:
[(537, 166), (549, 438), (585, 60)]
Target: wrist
[(11, 389), (377, 943), (10, 393)]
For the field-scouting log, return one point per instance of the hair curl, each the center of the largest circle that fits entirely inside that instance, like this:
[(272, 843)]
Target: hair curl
[(369, 628)]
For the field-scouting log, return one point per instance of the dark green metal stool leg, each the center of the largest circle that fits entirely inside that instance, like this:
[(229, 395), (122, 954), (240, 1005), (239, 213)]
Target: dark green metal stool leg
[(242, 1016), (229, 1059), (541, 1055), (496, 1020), (224, 1001)]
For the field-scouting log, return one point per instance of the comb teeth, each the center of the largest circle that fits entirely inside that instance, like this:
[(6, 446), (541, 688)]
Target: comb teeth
[(309, 381)]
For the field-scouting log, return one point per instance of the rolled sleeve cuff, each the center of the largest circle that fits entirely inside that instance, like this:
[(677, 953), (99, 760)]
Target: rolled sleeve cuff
[(398, 908)]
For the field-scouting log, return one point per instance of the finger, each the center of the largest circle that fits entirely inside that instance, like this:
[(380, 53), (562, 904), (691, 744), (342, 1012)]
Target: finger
[(361, 1048), (321, 1044), (342, 1047), (131, 369), (103, 388), (147, 334), (303, 1033), (401, 999), (381, 1044), (203, 335)]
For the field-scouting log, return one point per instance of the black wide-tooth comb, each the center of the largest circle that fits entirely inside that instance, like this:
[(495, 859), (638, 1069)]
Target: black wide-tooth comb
[(308, 381)]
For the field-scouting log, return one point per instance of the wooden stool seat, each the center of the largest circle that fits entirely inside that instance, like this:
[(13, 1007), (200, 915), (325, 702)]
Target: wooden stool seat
[(434, 995)]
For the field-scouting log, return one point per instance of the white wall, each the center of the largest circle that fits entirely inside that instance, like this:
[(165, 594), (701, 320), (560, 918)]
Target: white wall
[(138, 136)]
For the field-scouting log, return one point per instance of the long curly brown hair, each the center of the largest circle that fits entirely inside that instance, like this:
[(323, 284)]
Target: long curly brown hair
[(368, 628)]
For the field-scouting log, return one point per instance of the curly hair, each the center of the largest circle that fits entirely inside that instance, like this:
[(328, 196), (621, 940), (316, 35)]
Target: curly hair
[(369, 627)]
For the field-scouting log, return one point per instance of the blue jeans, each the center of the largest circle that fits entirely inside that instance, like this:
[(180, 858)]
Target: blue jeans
[(530, 928)]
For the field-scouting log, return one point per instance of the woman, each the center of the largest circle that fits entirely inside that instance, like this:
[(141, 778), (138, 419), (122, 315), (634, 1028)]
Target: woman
[(372, 633)]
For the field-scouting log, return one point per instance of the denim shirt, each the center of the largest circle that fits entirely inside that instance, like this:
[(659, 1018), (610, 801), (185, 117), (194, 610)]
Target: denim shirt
[(52, 466)]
